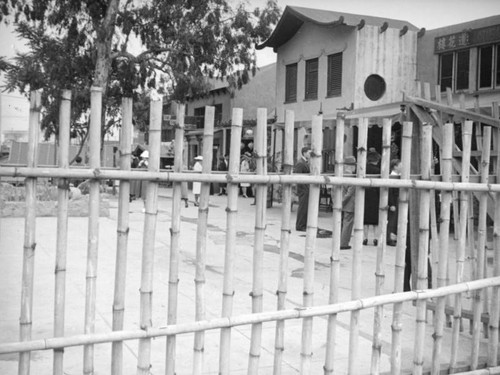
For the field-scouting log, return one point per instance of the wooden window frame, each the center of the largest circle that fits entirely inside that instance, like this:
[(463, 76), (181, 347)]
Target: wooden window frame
[(334, 76), (291, 71), (311, 79)]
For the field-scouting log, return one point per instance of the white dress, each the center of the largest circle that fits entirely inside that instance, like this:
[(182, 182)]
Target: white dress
[(197, 185)]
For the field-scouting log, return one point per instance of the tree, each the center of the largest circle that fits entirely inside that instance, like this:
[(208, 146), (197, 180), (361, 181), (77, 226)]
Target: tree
[(129, 47)]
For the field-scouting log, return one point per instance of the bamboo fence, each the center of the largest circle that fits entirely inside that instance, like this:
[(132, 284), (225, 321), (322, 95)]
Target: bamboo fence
[(311, 233), (173, 278), (122, 237), (258, 250), (148, 242), (62, 228), (481, 244), (93, 231), (460, 266), (399, 265), (201, 240), (382, 243), (279, 345), (444, 230), (423, 183), (336, 233), (26, 319), (357, 253)]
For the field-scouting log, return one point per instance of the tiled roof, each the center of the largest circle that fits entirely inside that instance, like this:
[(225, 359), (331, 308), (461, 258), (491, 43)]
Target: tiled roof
[(293, 18)]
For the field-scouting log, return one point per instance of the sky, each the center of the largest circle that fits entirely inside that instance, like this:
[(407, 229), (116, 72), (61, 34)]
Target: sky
[(430, 14)]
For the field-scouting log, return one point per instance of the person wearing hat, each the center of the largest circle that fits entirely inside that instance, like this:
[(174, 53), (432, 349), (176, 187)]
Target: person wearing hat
[(372, 197), (302, 166), (197, 185), (348, 195), (245, 168)]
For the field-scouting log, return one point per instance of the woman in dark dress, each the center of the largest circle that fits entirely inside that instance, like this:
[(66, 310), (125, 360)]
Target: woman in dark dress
[(372, 197)]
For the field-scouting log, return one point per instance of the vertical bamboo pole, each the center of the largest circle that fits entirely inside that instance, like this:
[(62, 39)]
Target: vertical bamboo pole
[(483, 212), (258, 251), (231, 219), (62, 228), (495, 293), (399, 266), (312, 228), (173, 273), (423, 248), (464, 206), (380, 269), (286, 209), (456, 224), (336, 232), (25, 320), (122, 237), (357, 245), (201, 239), (444, 231), (148, 239), (93, 231)]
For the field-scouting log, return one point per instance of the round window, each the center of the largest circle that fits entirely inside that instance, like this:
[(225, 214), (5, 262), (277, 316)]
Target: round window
[(374, 87)]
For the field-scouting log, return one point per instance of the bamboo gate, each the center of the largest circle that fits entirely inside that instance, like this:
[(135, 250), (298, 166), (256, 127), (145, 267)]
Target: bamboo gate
[(465, 290)]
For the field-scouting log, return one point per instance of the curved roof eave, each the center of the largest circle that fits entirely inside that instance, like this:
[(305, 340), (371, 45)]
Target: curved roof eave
[(294, 17)]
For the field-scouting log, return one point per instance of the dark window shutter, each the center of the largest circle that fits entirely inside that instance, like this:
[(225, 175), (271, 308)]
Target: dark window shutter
[(334, 76), (291, 83), (485, 67), (311, 79), (462, 70)]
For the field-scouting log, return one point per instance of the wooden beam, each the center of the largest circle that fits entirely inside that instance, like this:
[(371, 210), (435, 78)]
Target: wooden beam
[(463, 113)]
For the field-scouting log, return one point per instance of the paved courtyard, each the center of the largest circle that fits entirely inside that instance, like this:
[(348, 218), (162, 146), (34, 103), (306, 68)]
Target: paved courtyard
[(11, 249)]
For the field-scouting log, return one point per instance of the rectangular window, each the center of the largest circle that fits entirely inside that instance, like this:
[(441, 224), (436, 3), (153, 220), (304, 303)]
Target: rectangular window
[(446, 71), (485, 67), (454, 70), (291, 83), (497, 81), (218, 115), (462, 82), (311, 79), (334, 75), (199, 114)]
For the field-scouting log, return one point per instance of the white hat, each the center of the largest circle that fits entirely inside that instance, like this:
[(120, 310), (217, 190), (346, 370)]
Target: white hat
[(145, 154), (199, 157)]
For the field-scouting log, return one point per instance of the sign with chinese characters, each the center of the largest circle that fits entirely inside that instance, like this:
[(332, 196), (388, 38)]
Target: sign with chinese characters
[(467, 38)]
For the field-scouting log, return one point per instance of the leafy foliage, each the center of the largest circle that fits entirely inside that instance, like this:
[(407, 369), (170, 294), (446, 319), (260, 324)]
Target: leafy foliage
[(129, 48)]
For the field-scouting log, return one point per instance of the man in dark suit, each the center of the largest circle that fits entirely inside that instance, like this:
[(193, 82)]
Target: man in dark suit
[(223, 166), (302, 166)]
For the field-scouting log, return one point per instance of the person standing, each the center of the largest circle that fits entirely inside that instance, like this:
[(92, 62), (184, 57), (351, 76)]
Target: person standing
[(302, 166), (392, 214), (348, 195), (223, 166), (197, 185), (372, 197), (245, 168)]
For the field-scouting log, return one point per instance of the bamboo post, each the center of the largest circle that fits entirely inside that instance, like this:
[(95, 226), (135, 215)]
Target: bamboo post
[(279, 345), (258, 251), (311, 233), (93, 228), (122, 236), (399, 266), (62, 228), (444, 231), (231, 219), (336, 232), (148, 239), (460, 266), (382, 243), (25, 320), (357, 245), (481, 241), (495, 293), (173, 273), (201, 239), (423, 247), (456, 224)]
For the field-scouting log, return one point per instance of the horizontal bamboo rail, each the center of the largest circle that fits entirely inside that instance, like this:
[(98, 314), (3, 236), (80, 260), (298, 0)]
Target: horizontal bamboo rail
[(234, 321), (100, 174)]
